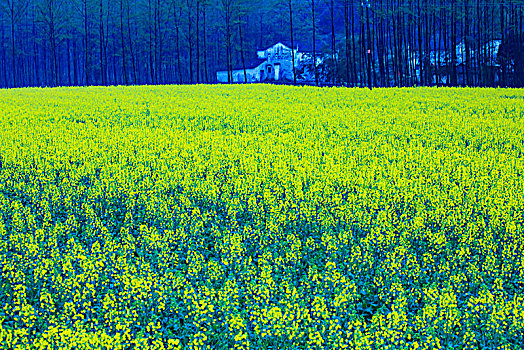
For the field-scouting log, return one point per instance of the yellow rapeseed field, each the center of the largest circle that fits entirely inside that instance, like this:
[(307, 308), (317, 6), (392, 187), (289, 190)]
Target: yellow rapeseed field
[(261, 217)]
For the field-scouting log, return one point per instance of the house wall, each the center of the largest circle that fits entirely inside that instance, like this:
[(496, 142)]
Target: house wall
[(252, 76), (238, 76), (222, 76), (280, 54)]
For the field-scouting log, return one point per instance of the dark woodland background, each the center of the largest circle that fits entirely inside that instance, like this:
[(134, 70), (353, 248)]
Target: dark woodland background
[(362, 43)]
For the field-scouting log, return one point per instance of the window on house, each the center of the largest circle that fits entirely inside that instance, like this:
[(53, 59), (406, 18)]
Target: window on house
[(269, 69)]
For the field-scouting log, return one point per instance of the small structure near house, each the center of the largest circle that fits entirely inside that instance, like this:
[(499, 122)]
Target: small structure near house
[(274, 64)]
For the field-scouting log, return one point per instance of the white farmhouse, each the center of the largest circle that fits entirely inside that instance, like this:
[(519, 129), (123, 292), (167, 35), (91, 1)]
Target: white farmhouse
[(272, 65)]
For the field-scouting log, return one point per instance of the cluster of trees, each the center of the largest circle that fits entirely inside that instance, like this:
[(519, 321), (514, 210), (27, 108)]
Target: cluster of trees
[(361, 42)]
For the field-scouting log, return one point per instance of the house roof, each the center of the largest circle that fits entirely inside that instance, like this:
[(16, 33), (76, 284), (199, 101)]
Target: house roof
[(255, 62), (288, 44), (303, 46), (307, 46)]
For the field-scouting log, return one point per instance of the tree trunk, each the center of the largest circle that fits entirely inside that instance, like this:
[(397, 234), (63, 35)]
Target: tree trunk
[(198, 42), (35, 55), (443, 40), (124, 64), (158, 44), (292, 40), (206, 75), (106, 43), (131, 51), (346, 27), (3, 77), (75, 64), (314, 41), (369, 50), (151, 53), (503, 34), (13, 40), (176, 18), (227, 10), (52, 34), (387, 42), (454, 78), (480, 37), (491, 56), (427, 49), (380, 49), (363, 62), (190, 40), (436, 44), (69, 81), (101, 40), (86, 45), (333, 39), (353, 41), (241, 37), (466, 42), (399, 29), (46, 65)]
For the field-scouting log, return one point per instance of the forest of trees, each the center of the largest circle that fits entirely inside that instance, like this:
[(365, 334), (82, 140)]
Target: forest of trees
[(362, 43)]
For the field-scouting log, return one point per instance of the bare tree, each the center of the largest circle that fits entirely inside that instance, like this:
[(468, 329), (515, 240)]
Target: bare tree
[(51, 13)]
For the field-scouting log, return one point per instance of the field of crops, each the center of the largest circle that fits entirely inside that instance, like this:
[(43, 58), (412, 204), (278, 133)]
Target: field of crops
[(261, 217)]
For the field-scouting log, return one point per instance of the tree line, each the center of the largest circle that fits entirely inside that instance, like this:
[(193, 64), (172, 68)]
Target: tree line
[(355, 43)]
